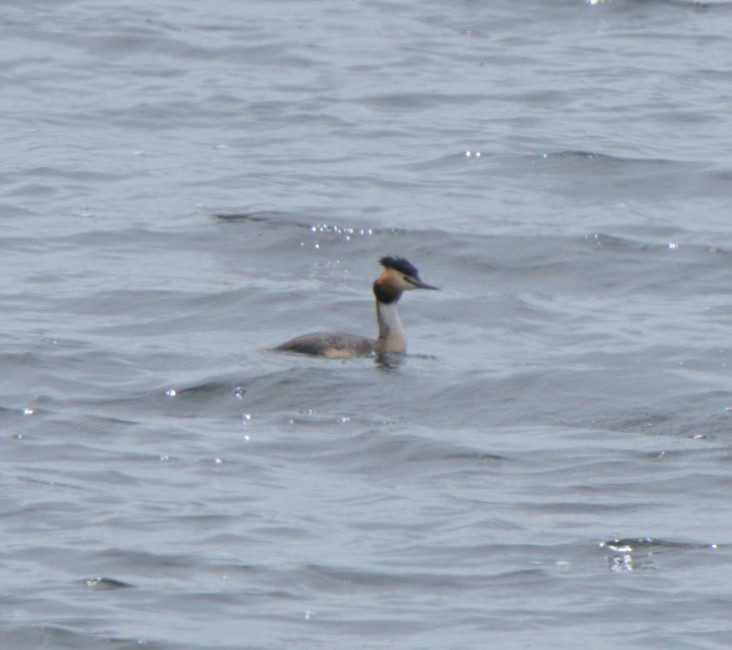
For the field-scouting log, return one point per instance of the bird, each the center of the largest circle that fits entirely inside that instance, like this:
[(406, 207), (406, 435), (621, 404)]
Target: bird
[(398, 276)]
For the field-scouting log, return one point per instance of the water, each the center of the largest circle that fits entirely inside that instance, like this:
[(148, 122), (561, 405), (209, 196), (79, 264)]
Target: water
[(187, 184)]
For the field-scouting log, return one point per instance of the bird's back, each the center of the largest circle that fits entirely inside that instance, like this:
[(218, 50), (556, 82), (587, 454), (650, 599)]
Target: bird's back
[(326, 344)]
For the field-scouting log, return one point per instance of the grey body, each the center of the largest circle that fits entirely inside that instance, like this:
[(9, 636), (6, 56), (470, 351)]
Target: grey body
[(326, 344)]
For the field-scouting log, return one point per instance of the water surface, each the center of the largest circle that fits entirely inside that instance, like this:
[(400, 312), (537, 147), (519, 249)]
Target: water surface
[(186, 186)]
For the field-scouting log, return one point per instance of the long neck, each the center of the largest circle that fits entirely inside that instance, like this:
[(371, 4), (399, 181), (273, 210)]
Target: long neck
[(391, 332)]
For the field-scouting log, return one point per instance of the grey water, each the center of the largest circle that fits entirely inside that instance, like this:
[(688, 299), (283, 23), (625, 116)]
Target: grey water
[(185, 185)]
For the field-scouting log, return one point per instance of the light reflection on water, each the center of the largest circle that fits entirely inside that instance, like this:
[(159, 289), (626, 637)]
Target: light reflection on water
[(550, 166)]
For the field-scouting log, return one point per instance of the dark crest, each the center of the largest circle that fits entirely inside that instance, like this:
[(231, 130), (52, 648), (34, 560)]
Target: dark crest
[(399, 264)]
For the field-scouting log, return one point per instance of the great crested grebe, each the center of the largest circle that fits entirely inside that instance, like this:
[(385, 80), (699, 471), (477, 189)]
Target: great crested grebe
[(398, 276)]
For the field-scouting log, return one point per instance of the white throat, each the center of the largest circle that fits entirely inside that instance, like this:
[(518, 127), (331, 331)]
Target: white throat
[(391, 332)]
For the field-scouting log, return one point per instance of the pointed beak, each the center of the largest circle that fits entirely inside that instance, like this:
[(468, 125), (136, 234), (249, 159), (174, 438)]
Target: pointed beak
[(423, 285)]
